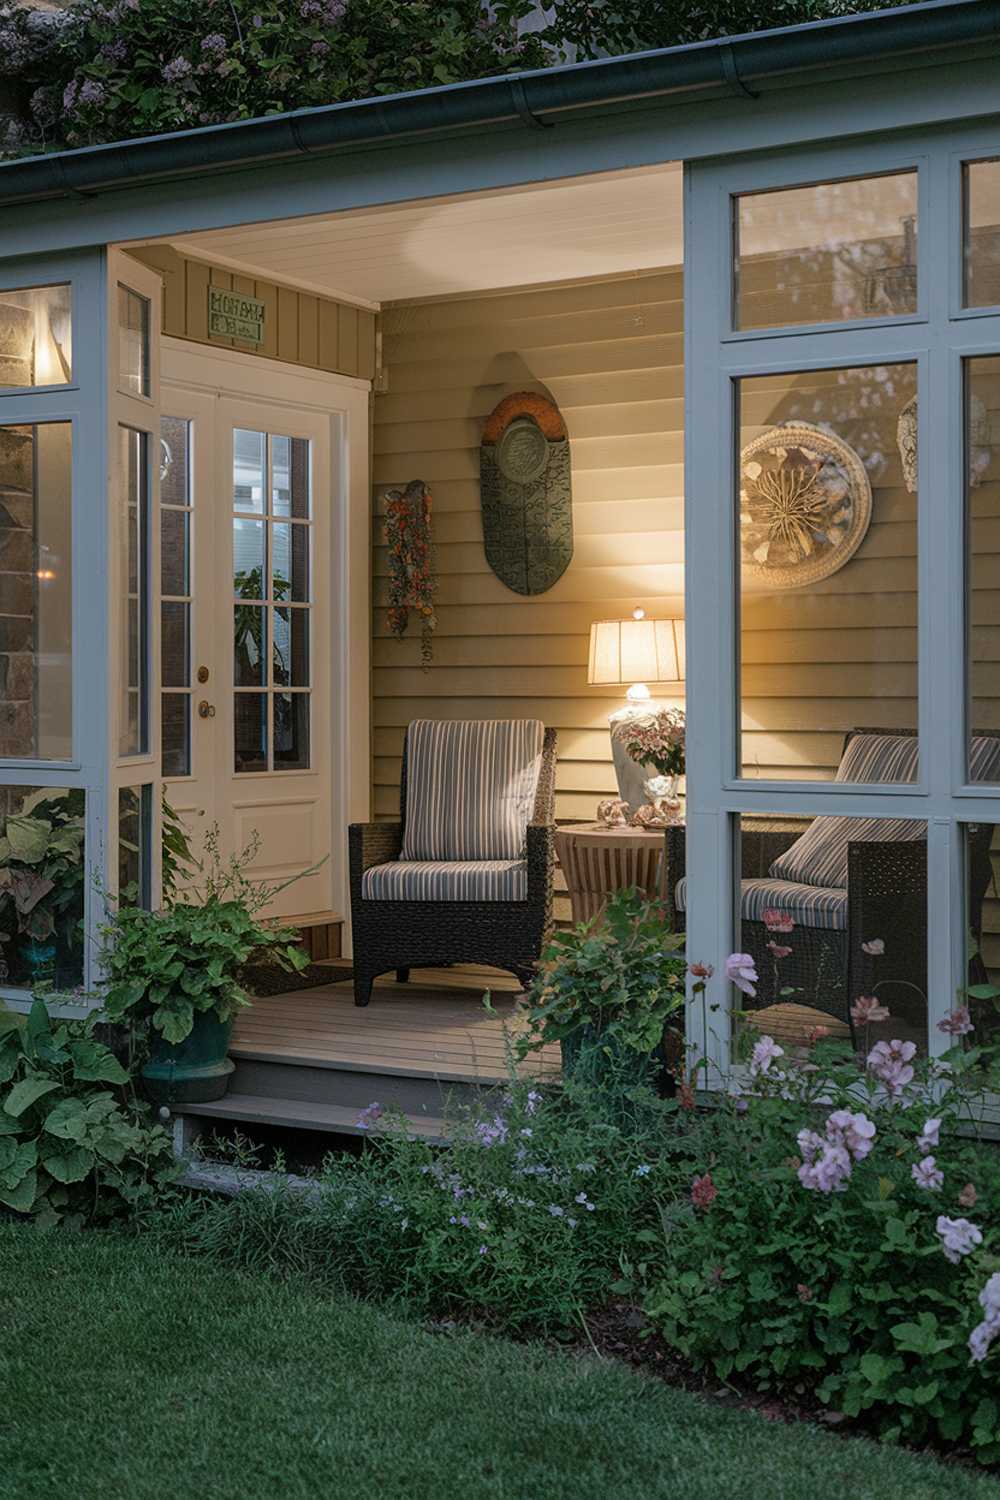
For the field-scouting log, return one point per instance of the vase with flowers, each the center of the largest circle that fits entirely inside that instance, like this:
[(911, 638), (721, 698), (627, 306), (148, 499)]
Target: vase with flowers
[(656, 740)]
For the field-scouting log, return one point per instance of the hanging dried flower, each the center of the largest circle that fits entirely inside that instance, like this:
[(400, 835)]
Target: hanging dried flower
[(411, 581)]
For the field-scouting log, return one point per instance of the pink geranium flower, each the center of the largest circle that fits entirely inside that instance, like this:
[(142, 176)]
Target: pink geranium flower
[(765, 1052), (778, 950), (930, 1136), (855, 1132), (957, 1022), (866, 1010), (927, 1174), (776, 920), (742, 971), (701, 971), (891, 1064)]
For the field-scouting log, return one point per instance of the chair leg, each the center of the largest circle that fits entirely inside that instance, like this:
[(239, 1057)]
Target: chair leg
[(362, 987), (402, 976), (524, 974)]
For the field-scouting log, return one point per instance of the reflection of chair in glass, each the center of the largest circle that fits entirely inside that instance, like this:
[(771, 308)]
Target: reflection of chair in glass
[(845, 882)]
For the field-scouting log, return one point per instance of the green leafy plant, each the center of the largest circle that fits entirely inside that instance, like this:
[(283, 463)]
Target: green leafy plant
[(42, 874), (73, 1144), (164, 968), (178, 859), (615, 982)]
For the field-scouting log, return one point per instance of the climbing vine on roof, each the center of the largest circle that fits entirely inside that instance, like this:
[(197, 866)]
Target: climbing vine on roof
[(96, 72)]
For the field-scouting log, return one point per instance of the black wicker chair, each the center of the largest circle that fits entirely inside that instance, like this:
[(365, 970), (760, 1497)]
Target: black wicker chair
[(886, 898), (403, 934)]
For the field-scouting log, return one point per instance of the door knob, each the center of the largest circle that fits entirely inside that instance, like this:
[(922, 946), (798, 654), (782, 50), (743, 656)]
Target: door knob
[(206, 710)]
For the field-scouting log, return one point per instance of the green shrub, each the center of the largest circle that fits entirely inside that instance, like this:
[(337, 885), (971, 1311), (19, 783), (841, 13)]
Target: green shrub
[(810, 1253), (73, 1145)]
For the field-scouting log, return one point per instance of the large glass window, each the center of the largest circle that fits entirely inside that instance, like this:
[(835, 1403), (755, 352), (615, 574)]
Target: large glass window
[(826, 253), (827, 536), (833, 916), (42, 883), (135, 805), (133, 731), (176, 520), (36, 342), (273, 591), (133, 342), (36, 617), (982, 233), (982, 530), (982, 909)]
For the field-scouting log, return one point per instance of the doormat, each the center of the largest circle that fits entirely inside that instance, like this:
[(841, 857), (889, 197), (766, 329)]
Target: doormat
[(267, 978)]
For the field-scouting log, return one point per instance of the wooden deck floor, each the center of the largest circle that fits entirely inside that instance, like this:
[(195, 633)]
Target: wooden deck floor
[(434, 1026)]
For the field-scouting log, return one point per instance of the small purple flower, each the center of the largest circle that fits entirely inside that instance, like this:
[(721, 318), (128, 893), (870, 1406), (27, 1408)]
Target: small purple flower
[(483, 1249), (176, 69), (532, 1102), (927, 1174), (91, 92), (115, 52), (742, 971), (367, 1117), (957, 1022), (643, 1171), (319, 49), (958, 1237), (929, 1136), (765, 1052), (555, 1211), (257, 22), (491, 1133), (69, 94), (215, 42)]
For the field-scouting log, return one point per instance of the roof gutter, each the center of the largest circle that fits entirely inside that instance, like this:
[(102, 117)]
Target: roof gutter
[(734, 63)]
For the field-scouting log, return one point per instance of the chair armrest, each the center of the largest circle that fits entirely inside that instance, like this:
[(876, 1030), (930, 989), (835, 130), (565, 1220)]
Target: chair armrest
[(372, 844), (540, 852)]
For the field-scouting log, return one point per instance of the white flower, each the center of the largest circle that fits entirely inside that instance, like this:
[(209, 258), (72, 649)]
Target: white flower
[(855, 1132), (929, 1137), (643, 1171), (958, 1237), (989, 1298), (980, 1339), (927, 1174), (742, 971), (764, 1053)]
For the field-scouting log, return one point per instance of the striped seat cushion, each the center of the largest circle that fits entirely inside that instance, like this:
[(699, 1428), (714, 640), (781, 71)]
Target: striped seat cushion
[(470, 788), (447, 880), (807, 905)]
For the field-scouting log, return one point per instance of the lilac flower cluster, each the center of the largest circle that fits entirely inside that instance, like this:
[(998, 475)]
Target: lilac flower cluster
[(827, 1163), (491, 1132), (368, 1117), (983, 1335), (175, 70), (892, 1065), (323, 12)]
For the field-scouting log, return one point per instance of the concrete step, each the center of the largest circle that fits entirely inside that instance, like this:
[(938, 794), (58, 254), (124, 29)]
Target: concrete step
[(353, 1087), (294, 1114)]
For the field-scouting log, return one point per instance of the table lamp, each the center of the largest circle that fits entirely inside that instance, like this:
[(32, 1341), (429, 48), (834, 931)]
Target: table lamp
[(635, 652)]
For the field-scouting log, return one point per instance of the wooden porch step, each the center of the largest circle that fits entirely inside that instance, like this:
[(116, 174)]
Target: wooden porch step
[(301, 1114)]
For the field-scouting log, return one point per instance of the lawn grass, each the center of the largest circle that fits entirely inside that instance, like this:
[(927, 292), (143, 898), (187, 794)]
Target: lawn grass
[(124, 1373)]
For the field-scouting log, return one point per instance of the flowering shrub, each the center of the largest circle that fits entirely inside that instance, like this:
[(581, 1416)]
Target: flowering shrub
[(834, 1251)]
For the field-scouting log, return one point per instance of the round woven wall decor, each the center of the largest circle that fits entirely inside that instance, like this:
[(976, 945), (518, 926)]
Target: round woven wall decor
[(805, 505)]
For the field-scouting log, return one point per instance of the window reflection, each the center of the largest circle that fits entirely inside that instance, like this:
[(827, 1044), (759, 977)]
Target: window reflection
[(36, 338), (42, 876)]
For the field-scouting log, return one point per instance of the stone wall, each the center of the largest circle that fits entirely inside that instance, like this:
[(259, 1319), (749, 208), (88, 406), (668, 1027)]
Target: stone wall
[(17, 548)]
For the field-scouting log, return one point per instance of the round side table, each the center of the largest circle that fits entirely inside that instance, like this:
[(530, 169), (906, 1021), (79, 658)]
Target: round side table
[(597, 860)]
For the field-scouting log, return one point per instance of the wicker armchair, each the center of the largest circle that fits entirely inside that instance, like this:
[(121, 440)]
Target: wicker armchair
[(403, 933), (885, 896)]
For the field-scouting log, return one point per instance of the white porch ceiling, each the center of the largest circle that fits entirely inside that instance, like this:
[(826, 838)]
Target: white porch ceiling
[(604, 225)]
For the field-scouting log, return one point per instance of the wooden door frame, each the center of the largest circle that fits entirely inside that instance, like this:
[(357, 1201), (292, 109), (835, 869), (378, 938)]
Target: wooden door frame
[(232, 374)]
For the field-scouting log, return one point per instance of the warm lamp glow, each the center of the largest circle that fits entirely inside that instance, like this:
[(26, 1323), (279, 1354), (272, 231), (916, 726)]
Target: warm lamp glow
[(636, 651)]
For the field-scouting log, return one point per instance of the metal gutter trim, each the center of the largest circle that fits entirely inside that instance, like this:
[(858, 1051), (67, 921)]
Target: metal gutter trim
[(518, 99)]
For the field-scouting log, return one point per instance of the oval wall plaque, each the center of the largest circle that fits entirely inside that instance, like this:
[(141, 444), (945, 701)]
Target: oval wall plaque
[(526, 493)]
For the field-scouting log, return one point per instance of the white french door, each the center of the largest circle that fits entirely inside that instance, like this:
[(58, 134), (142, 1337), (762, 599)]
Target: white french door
[(248, 493)]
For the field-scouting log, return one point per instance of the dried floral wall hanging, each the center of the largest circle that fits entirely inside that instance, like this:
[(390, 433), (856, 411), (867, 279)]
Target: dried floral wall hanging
[(412, 579)]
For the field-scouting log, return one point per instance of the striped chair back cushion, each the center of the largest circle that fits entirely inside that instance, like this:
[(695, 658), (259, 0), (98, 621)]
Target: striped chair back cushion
[(819, 857), (470, 788)]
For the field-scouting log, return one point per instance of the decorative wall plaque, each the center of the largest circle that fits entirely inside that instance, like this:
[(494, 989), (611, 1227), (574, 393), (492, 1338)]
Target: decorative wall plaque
[(526, 493), (805, 505), (231, 315)]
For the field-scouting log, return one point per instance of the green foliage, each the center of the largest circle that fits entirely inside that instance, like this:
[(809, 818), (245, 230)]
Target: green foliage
[(106, 72), (178, 858), (41, 869), (73, 1146), (617, 980), (847, 1293), (163, 968)]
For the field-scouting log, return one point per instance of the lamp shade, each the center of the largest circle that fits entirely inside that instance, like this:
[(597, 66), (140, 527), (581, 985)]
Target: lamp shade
[(627, 651)]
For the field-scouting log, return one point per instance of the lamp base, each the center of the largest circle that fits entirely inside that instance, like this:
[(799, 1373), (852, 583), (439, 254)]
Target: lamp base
[(631, 777)]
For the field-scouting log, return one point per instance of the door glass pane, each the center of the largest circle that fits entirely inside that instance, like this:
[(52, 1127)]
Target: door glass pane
[(291, 647), (250, 714), (982, 233), (833, 918), (982, 853), (176, 520), (133, 342), (173, 552), (175, 461), (249, 468), (982, 530), (176, 724), (827, 536), (36, 614), (290, 561), (249, 553), (36, 339), (134, 833), (826, 253), (250, 645), (41, 915), (133, 566), (290, 477), (174, 644), (291, 731)]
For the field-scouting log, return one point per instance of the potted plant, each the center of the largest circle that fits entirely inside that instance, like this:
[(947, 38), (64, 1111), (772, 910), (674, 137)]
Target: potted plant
[(176, 974), (608, 990), (41, 886)]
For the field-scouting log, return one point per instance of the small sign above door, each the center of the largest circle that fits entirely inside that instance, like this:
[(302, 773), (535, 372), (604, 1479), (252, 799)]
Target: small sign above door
[(231, 315)]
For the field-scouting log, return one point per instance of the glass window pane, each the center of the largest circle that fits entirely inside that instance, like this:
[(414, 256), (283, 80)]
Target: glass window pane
[(982, 507), (133, 664), (249, 467), (133, 342), (291, 731), (833, 913), (175, 461), (249, 554), (134, 832), (982, 852), (174, 532), (250, 645), (290, 561), (290, 477), (41, 917), (826, 253), (36, 607), (176, 734), (982, 234), (175, 645), (250, 717), (291, 647), (36, 339), (827, 536)]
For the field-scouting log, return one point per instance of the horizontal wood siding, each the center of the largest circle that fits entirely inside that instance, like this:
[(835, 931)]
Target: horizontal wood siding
[(299, 328), (610, 355)]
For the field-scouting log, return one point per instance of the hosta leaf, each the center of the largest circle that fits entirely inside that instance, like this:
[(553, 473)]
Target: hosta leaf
[(71, 1164), (93, 1063), (67, 1121), (28, 838), (20, 1198), (175, 1022), (24, 1094)]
